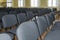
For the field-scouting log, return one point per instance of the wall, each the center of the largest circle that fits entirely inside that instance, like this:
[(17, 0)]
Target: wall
[(58, 6), (15, 3), (44, 3), (3, 3), (27, 3)]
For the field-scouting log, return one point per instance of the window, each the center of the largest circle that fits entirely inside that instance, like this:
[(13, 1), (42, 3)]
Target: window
[(49, 3), (21, 3), (34, 3), (52, 3), (9, 3)]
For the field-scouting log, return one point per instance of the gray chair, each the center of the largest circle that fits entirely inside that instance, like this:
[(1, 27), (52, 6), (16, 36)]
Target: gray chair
[(21, 17), (5, 36), (27, 31), (49, 19), (42, 24), (52, 16), (1, 15), (56, 26), (53, 35), (13, 12), (10, 21), (29, 15)]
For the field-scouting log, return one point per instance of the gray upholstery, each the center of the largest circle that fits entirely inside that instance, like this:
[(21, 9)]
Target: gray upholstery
[(12, 12), (56, 26), (29, 15), (27, 31), (42, 24), (49, 19), (9, 20), (5, 36), (21, 17), (2, 14), (53, 35), (52, 16)]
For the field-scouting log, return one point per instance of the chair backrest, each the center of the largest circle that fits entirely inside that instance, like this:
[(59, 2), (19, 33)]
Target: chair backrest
[(29, 15), (2, 14), (50, 18), (9, 20), (40, 12), (21, 17), (27, 31), (52, 15), (42, 24), (5, 36), (13, 12)]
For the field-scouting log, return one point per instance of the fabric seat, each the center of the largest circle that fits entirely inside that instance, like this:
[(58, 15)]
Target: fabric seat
[(5, 36), (1, 15), (10, 21), (21, 17), (29, 15), (50, 18), (13, 12), (10, 24), (53, 35), (56, 26), (42, 24), (27, 31)]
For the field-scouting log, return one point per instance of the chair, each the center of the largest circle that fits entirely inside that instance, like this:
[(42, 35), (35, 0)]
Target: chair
[(5, 36), (10, 24), (13, 12), (53, 35), (1, 15), (21, 17), (42, 24), (56, 26), (10, 21), (29, 15), (27, 31), (49, 19)]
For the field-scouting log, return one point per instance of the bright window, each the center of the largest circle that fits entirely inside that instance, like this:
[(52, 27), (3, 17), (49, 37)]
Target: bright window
[(9, 3), (21, 3), (34, 3), (49, 3), (52, 3)]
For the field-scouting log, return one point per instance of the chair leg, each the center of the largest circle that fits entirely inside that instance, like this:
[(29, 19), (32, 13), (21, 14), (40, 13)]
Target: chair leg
[(43, 35), (2, 30), (15, 37), (39, 38)]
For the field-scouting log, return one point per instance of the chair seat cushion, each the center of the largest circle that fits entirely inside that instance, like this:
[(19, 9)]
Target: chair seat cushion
[(56, 26), (53, 35), (5, 37)]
